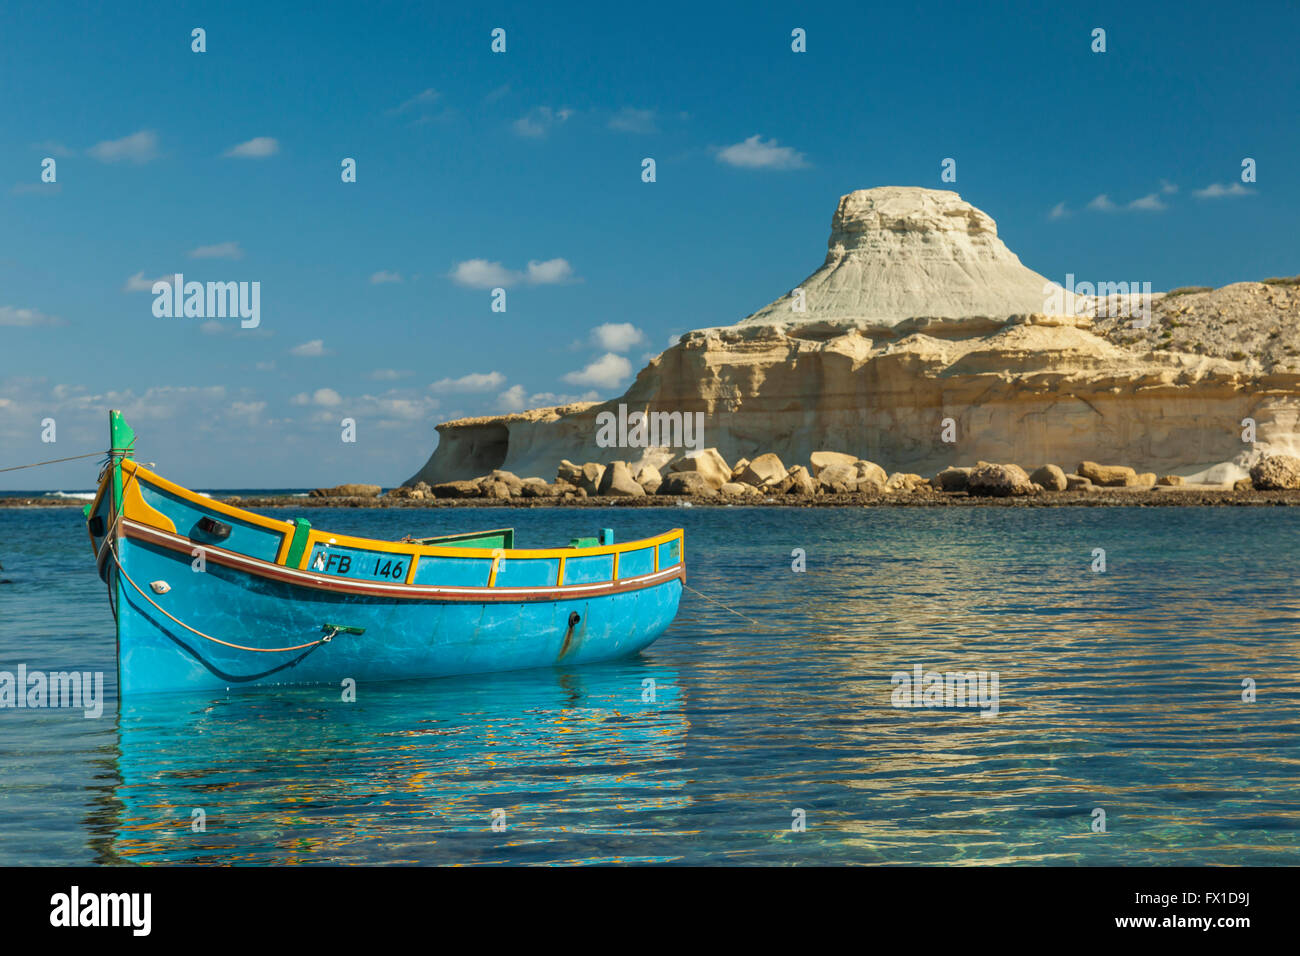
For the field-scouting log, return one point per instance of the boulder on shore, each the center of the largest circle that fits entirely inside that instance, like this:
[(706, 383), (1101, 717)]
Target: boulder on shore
[(346, 491), (649, 478), (1078, 483), (687, 483), (797, 481), (589, 477), (1276, 473), (871, 477), (821, 460), (952, 479), (763, 471), (1108, 476), (999, 481), (837, 479), (617, 482), (739, 489), (708, 464), (904, 483), (404, 493), (456, 489), (1051, 477)]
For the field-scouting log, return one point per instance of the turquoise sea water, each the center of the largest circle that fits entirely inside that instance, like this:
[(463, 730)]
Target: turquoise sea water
[(1119, 690)]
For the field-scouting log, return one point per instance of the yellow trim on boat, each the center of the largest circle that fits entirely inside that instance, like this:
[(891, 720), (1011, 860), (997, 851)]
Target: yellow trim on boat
[(249, 517), (139, 510), (136, 508)]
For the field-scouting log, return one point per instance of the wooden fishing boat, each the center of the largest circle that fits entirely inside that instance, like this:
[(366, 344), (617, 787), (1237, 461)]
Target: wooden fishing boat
[(208, 596)]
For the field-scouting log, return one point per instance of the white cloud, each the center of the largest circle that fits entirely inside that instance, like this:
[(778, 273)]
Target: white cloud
[(259, 147), (1167, 187), (138, 283), (481, 274), (484, 274), (222, 250), (1150, 203), (617, 336), (383, 275), (550, 272), (213, 327), (605, 372), (26, 318), (754, 153), (473, 382), (423, 98), (58, 150), (326, 397), (1102, 203), (629, 120), (251, 412), (313, 349), (389, 374), (1058, 211), (540, 121), (1219, 191), (139, 147), (512, 399)]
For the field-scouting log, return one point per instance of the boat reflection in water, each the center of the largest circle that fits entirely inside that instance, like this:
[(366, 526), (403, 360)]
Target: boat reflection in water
[(574, 765)]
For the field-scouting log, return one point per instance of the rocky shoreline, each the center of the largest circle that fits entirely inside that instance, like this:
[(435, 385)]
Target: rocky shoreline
[(832, 479)]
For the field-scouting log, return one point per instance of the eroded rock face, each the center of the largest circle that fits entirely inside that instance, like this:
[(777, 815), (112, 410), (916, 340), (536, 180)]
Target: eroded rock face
[(897, 251), (919, 315)]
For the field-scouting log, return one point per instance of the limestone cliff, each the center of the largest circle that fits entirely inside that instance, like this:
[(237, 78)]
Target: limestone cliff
[(921, 314)]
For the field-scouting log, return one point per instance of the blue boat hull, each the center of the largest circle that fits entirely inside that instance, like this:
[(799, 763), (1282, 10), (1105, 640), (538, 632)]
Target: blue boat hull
[(403, 637)]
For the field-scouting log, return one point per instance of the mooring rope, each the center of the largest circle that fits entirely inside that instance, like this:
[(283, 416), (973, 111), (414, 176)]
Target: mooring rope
[(726, 608), (108, 541), (52, 461)]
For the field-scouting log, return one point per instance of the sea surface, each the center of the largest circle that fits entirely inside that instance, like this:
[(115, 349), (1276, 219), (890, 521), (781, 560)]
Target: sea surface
[(760, 729)]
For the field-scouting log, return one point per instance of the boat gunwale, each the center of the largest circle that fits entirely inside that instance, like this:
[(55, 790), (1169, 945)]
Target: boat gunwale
[(453, 593), (320, 536)]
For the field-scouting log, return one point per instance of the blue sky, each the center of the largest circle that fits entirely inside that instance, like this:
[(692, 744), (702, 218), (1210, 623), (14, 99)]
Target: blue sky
[(471, 165)]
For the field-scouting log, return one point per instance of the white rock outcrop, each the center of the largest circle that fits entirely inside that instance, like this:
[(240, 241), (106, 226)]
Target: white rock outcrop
[(922, 326)]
